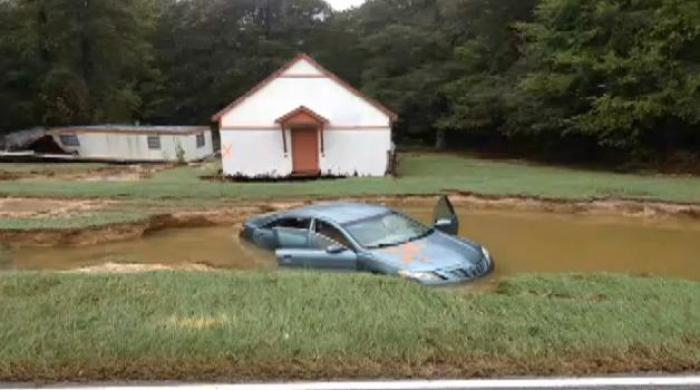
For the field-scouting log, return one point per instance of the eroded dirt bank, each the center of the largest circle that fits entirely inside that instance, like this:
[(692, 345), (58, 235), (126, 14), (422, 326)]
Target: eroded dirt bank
[(237, 213)]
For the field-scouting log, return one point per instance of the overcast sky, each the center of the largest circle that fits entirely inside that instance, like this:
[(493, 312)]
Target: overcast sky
[(344, 4)]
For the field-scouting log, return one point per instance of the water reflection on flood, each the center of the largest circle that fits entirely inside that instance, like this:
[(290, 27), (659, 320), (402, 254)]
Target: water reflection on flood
[(522, 242)]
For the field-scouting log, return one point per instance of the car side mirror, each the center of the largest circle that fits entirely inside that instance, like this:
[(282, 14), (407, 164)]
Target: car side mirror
[(335, 249)]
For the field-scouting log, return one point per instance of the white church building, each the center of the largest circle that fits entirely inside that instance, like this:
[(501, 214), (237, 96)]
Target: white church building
[(305, 121)]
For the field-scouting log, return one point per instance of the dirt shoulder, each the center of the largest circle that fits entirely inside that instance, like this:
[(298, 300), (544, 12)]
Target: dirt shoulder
[(237, 213), (469, 367)]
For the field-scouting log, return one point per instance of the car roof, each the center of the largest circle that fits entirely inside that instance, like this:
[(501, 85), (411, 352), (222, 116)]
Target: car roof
[(340, 213)]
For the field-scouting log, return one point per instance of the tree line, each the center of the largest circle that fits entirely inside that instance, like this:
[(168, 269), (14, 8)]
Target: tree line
[(578, 79)]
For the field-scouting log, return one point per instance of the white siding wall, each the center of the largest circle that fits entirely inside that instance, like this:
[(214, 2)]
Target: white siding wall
[(260, 153), (255, 153), (323, 95), (357, 140), (134, 147), (364, 152)]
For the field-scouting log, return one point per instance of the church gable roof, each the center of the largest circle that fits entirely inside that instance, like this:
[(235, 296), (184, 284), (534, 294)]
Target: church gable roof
[(304, 66)]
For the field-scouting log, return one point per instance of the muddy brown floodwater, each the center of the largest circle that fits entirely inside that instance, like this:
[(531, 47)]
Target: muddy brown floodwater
[(521, 242), (217, 247)]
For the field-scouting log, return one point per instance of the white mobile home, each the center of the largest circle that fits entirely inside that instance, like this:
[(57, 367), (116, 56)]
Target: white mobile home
[(135, 143), (303, 120)]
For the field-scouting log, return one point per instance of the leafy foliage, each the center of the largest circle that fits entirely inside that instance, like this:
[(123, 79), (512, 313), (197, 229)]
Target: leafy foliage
[(620, 71)]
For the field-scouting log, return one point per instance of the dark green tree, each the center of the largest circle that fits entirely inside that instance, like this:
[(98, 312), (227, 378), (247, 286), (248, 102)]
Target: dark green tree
[(86, 61), (626, 73), (487, 56), (212, 51), (20, 62), (408, 57)]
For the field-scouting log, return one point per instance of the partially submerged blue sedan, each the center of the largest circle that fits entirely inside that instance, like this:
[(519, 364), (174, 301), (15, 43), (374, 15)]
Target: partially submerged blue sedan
[(362, 237)]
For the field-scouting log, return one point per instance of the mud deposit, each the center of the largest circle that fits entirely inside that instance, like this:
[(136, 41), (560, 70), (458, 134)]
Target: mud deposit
[(48, 208), (521, 241), (133, 172)]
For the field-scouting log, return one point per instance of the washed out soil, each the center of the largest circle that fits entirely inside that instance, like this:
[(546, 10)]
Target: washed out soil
[(236, 214), (611, 207), (229, 369), (7, 176), (133, 172), (31, 208)]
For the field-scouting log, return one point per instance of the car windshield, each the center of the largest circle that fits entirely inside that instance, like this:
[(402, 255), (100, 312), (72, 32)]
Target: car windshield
[(386, 230)]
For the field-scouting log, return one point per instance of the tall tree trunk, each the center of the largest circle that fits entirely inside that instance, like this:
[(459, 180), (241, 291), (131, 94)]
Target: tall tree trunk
[(440, 139), (86, 63), (267, 19), (44, 47), (86, 58)]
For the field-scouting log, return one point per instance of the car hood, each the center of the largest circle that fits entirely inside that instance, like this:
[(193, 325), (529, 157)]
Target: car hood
[(436, 251)]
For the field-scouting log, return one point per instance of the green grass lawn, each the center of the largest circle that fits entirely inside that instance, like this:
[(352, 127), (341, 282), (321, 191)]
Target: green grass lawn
[(420, 174), (207, 326)]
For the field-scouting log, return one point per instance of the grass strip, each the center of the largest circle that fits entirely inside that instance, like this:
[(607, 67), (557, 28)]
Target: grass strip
[(420, 174), (83, 221), (237, 326)]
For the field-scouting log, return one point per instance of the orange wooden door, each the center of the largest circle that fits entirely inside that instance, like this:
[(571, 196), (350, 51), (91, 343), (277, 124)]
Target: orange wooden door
[(305, 151)]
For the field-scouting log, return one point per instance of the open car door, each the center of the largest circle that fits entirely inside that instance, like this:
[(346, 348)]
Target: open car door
[(322, 254), (290, 237), (444, 217)]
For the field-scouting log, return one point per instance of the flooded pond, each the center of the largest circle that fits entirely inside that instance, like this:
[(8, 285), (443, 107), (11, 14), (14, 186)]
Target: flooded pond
[(521, 242), (214, 246)]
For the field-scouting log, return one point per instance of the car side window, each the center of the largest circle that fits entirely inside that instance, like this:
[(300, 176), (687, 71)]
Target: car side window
[(291, 223), (319, 241), (329, 231)]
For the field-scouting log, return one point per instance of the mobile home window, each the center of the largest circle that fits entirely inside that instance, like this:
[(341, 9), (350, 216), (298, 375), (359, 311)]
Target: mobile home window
[(69, 139), (200, 140), (154, 142)]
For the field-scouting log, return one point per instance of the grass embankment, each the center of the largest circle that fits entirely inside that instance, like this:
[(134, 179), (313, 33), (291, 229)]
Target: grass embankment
[(210, 326)]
